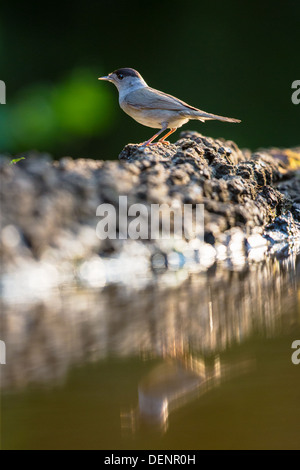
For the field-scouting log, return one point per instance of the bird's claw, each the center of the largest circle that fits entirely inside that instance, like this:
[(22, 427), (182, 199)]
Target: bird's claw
[(146, 144), (143, 144)]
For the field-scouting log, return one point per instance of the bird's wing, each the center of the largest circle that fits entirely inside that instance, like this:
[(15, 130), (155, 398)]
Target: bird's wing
[(149, 98)]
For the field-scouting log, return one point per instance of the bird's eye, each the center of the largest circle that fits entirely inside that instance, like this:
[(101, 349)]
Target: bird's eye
[(120, 76)]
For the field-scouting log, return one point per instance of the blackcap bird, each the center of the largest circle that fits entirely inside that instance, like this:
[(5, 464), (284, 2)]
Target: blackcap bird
[(153, 108)]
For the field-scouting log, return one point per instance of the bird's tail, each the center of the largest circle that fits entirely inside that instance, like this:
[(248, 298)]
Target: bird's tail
[(203, 116)]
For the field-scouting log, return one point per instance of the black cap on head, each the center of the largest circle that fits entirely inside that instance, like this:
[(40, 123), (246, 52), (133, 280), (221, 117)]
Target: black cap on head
[(127, 72)]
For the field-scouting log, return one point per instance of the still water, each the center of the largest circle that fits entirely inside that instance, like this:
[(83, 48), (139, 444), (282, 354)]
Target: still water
[(201, 361)]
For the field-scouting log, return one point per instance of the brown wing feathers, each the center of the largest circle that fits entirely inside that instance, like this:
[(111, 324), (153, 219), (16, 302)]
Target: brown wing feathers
[(155, 99)]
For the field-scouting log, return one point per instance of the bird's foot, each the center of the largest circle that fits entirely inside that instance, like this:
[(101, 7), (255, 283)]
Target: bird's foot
[(143, 144), (164, 142), (147, 144)]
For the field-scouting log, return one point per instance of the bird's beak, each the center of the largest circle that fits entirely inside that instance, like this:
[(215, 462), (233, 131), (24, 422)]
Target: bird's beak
[(107, 77)]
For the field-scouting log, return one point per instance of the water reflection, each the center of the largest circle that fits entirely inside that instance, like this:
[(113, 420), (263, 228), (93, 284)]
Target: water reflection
[(173, 319), (173, 384), (118, 358)]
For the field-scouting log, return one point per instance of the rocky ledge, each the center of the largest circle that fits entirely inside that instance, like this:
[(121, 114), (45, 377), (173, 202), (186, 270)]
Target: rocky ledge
[(48, 209)]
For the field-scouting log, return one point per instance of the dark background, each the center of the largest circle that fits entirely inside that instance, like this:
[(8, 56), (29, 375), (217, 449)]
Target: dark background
[(233, 58)]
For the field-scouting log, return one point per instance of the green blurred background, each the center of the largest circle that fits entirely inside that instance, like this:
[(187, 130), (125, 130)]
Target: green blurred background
[(233, 58)]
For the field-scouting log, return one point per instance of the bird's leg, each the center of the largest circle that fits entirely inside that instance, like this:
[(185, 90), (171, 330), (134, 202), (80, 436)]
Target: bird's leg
[(144, 144), (162, 140)]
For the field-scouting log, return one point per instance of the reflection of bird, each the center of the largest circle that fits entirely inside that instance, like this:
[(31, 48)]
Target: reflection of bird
[(153, 108), (168, 386)]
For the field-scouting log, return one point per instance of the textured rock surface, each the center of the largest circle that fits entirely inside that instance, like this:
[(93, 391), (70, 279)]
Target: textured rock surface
[(48, 209), (200, 297)]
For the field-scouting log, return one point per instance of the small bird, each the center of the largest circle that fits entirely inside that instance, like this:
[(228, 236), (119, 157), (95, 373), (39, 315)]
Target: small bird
[(153, 108)]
